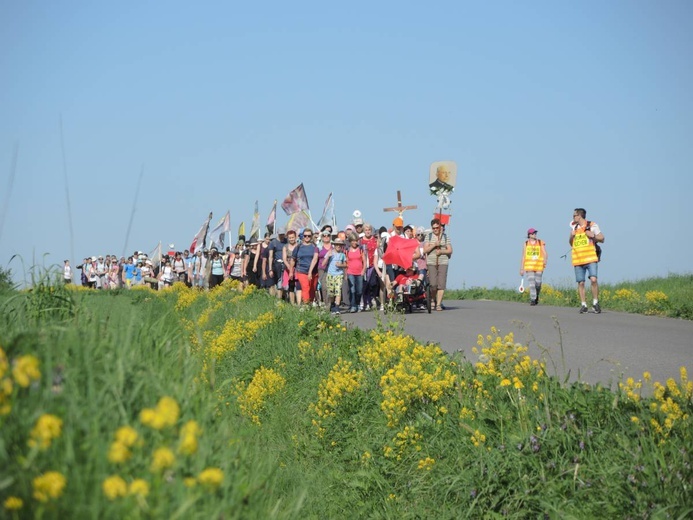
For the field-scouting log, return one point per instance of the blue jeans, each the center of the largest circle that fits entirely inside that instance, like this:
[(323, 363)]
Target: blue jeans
[(588, 269), (355, 289)]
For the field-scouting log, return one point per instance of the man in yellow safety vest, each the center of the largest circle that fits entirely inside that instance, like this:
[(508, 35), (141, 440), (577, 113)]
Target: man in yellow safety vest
[(584, 237)]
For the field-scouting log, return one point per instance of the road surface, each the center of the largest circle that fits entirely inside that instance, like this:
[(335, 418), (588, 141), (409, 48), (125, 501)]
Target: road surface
[(597, 348)]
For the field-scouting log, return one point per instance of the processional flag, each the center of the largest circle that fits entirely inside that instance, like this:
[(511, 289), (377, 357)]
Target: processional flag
[(218, 235), (296, 201), (255, 227), (327, 213), (272, 219), (201, 238)]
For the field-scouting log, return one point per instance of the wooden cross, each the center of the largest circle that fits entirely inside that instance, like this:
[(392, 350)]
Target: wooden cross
[(399, 208)]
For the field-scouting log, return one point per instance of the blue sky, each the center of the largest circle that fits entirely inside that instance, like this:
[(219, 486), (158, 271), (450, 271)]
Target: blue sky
[(544, 106)]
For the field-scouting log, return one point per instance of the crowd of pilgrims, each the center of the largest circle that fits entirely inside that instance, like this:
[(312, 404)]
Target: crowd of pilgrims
[(336, 269)]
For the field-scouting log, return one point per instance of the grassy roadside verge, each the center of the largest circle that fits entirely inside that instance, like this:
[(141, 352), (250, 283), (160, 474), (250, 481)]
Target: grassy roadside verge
[(185, 404), (671, 296)]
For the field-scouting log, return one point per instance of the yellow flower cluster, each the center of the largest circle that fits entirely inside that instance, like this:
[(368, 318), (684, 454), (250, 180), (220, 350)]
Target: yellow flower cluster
[(5, 385), (211, 478), (189, 435), (13, 503), (628, 295), (251, 398), (631, 388), (404, 441), (162, 458), (478, 438), (668, 404), (422, 373), (341, 381), (47, 428), (384, 348), (26, 370), (185, 297), (114, 487), (551, 293), (426, 464), (125, 438), (235, 332), (656, 297), (657, 301), (467, 414), (164, 415), (507, 360), (49, 486)]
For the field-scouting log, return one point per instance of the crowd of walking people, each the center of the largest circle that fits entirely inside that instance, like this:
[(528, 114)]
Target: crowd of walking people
[(343, 270), (338, 269)]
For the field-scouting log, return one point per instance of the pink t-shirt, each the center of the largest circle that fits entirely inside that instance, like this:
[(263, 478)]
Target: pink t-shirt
[(354, 261)]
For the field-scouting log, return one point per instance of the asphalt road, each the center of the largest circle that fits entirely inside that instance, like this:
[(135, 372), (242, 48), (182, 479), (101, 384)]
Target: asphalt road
[(596, 347)]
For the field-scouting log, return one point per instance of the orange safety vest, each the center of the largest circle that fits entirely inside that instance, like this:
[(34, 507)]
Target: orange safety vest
[(534, 260), (584, 251)]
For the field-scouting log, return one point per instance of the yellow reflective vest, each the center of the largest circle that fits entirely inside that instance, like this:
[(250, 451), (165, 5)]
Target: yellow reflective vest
[(534, 258), (584, 251)]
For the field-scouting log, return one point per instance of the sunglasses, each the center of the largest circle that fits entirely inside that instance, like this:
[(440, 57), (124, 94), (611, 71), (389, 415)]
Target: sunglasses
[(307, 236)]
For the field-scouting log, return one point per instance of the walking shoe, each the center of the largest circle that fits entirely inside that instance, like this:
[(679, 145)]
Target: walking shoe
[(353, 309), (532, 302), (597, 309), (583, 309)]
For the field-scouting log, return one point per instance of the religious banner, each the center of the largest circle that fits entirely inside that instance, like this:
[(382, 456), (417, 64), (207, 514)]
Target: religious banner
[(442, 177)]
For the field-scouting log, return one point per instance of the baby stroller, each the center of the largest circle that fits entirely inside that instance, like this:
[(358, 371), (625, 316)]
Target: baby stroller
[(416, 296), (412, 289)]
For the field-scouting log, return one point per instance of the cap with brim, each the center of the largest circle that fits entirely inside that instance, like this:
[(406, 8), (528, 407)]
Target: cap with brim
[(531, 231), (398, 222), (338, 242)]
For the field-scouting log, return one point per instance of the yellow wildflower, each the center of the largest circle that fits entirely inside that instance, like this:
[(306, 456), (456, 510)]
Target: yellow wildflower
[(139, 487), (47, 428), (211, 477), (126, 435), (26, 370), (169, 410), (426, 464), (118, 453), (163, 458), (49, 485), (165, 414), (4, 364), (114, 487), (188, 438), (506, 382), (13, 503)]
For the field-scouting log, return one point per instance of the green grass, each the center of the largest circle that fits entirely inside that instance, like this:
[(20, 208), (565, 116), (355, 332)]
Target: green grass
[(308, 419), (671, 296)]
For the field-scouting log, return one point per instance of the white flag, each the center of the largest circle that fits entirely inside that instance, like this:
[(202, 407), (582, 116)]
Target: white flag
[(155, 255), (201, 237), (218, 235)]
